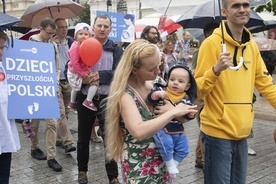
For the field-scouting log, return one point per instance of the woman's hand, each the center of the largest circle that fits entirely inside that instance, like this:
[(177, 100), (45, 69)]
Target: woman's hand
[(181, 109), (158, 110)]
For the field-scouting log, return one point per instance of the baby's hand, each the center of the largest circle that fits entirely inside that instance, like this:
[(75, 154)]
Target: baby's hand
[(191, 115), (162, 94)]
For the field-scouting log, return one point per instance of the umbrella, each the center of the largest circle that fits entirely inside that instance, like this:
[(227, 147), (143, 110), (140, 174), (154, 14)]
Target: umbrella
[(197, 33), (6, 21), (38, 11), (175, 6), (265, 44), (254, 3), (269, 24), (205, 13), (20, 29), (169, 26), (29, 34)]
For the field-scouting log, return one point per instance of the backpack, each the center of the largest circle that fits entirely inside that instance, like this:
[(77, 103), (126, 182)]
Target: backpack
[(69, 42)]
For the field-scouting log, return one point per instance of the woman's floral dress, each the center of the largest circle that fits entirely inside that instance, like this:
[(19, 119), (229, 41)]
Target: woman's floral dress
[(141, 162)]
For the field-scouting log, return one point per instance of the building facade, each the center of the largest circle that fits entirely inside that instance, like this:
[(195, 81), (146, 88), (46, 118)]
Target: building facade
[(140, 8), (15, 8)]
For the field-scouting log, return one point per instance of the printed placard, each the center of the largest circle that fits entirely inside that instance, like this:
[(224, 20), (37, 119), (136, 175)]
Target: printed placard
[(123, 29), (32, 80)]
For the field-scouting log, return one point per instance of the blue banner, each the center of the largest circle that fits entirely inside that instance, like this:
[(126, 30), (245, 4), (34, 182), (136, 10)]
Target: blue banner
[(32, 80), (123, 26)]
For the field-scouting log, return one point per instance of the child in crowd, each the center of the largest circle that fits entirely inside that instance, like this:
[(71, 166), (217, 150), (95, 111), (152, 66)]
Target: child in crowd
[(77, 69), (171, 140)]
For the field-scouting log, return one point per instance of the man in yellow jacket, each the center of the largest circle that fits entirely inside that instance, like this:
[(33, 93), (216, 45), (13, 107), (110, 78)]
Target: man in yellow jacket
[(228, 114)]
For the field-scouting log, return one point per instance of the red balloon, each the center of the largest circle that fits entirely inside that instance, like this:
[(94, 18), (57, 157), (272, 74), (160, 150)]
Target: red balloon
[(90, 51)]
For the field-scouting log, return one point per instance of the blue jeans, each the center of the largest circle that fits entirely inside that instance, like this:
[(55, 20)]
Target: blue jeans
[(5, 167), (225, 160), (171, 146)]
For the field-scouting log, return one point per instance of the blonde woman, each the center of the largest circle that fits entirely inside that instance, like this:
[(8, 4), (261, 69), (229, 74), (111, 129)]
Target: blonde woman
[(172, 57), (129, 123)]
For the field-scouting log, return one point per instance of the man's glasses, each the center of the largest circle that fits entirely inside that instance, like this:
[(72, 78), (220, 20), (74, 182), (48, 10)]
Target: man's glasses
[(49, 33), (238, 5), (63, 27)]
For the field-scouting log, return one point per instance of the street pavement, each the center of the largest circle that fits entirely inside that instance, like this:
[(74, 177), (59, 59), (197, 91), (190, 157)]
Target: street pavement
[(25, 169), (261, 168)]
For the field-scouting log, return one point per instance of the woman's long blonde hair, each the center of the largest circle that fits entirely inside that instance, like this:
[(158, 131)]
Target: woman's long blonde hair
[(132, 57)]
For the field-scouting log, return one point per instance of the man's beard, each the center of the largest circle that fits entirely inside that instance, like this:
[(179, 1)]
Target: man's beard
[(153, 40)]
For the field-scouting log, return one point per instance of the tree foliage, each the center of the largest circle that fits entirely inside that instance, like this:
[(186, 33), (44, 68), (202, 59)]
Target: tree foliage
[(84, 16), (270, 7)]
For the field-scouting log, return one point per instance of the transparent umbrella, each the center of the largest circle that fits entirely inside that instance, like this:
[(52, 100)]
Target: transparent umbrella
[(265, 44), (254, 3), (207, 12)]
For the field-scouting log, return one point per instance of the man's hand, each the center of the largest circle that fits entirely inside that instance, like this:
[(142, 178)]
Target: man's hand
[(92, 78), (180, 44), (225, 60), (187, 58)]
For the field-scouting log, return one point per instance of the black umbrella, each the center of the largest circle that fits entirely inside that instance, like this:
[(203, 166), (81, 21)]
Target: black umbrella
[(20, 29), (207, 12), (6, 21), (269, 24)]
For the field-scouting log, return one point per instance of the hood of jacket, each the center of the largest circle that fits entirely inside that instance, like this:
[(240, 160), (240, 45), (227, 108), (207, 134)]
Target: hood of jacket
[(246, 36), (239, 47)]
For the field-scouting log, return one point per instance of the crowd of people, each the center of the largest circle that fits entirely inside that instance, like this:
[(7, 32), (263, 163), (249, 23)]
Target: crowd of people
[(142, 95)]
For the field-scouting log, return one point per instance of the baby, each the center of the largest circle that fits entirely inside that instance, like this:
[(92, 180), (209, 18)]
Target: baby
[(171, 140)]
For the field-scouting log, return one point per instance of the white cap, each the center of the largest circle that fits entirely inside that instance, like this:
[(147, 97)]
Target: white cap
[(84, 26)]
